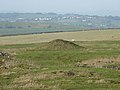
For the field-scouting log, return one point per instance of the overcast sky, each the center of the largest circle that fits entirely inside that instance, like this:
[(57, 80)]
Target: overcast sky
[(92, 7)]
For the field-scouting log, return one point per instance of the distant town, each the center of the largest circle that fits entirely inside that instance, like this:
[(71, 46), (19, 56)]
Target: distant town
[(52, 22), (65, 19)]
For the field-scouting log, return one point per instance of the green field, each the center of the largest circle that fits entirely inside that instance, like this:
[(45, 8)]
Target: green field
[(91, 62), (17, 28)]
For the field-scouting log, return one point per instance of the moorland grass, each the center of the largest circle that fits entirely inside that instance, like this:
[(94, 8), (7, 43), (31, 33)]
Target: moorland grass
[(34, 67)]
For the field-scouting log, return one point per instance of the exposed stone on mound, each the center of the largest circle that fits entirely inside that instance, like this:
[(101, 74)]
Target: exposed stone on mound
[(4, 54), (4, 59), (60, 44)]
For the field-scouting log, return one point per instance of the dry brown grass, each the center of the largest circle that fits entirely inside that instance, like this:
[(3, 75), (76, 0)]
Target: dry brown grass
[(93, 35), (100, 62), (37, 76), (29, 80), (101, 81)]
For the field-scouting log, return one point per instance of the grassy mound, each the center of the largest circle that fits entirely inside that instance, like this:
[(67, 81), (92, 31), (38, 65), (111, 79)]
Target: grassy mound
[(59, 44)]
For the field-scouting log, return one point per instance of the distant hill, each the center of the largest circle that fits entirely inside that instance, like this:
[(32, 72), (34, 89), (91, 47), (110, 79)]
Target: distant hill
[(28, 23)]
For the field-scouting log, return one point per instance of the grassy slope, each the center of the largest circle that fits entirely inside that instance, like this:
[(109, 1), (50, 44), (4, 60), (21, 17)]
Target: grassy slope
[(94, 35)]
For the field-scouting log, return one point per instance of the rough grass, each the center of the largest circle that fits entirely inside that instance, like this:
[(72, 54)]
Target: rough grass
[(33, 68)]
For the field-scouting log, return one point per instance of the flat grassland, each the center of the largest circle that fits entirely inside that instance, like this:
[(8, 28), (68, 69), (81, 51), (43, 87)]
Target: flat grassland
[(91, 62), (92, 35)]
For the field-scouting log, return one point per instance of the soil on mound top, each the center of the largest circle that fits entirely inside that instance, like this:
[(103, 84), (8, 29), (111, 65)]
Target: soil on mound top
[(60, 44)]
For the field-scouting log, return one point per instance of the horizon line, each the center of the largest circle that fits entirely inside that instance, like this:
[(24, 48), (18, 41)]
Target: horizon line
[(54, 13)]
